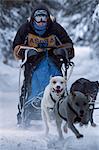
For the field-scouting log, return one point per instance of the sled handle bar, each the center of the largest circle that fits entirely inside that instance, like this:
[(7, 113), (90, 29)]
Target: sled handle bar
[(27, 48), (67, 45)]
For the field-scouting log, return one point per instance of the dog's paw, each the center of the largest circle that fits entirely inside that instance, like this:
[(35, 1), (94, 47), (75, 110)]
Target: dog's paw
[(93, 124), (79, 136)]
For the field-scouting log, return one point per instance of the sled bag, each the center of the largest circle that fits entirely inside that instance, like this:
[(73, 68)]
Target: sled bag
[(41, 76)]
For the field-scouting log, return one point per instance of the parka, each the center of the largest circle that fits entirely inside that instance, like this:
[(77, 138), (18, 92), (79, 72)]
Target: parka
[(54, 35)]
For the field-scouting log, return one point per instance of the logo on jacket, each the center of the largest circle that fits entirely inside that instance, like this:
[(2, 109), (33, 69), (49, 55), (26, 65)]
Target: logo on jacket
[(35, 41)]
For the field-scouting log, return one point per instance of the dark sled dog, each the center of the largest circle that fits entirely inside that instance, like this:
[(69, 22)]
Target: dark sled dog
[(89, 88), (73, 109)]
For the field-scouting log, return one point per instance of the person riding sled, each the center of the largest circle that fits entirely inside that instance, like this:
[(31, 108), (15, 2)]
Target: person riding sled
[(51, 42)]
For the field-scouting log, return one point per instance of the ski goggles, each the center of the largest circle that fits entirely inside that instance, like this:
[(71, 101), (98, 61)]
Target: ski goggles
[(40, 16)]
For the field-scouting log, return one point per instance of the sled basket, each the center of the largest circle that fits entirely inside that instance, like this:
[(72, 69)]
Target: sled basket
[(36, 78)]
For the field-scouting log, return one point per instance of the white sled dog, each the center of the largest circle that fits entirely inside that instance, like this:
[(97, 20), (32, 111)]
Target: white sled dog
[(55, 91)]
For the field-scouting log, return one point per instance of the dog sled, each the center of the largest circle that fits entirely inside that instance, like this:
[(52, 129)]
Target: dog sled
[(38, 67)]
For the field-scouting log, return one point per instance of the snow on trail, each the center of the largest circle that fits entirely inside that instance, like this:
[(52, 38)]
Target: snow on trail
[(8, 108), (14, 138)]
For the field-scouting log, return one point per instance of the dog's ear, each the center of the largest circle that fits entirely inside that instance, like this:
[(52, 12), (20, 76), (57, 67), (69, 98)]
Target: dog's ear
[(98, 83), (73, 94), (65, 78), (88, 96), (50, 77), (65, 81)]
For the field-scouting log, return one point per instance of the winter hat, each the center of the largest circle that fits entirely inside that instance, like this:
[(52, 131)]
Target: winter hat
[(40, 6), (40, 13)]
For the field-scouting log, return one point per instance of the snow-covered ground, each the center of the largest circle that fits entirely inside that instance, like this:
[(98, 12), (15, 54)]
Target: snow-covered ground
[(14, 138)]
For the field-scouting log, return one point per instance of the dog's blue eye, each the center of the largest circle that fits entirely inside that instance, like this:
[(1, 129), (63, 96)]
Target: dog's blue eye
[(77, 104)]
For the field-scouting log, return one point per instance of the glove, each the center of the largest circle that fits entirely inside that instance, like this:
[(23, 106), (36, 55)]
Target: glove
[(59, 52), (21, 53), (32, 53), (18, 53)]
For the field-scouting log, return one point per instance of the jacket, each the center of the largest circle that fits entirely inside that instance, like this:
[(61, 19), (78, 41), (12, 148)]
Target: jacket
[(54, 35)]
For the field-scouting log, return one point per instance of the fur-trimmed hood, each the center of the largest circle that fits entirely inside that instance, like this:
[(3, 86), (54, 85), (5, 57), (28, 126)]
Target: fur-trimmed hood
[(39, 7)]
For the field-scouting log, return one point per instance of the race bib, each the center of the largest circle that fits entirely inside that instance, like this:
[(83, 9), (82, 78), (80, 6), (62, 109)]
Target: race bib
[(35, 41)]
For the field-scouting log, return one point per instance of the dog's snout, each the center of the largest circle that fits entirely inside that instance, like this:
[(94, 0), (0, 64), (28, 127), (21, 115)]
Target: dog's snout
[(58, 87), (81, 112)]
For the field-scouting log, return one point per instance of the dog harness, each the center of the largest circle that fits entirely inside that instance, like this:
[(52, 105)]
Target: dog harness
[(59, 112), (52, 98), (77, 119), (62, 96)]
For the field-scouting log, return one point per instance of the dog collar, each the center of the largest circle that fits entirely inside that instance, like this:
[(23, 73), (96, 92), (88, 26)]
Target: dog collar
[(62, 96), (52, 98)]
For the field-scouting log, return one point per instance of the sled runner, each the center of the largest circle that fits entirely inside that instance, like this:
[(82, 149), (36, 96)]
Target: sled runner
[(38, 68)]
